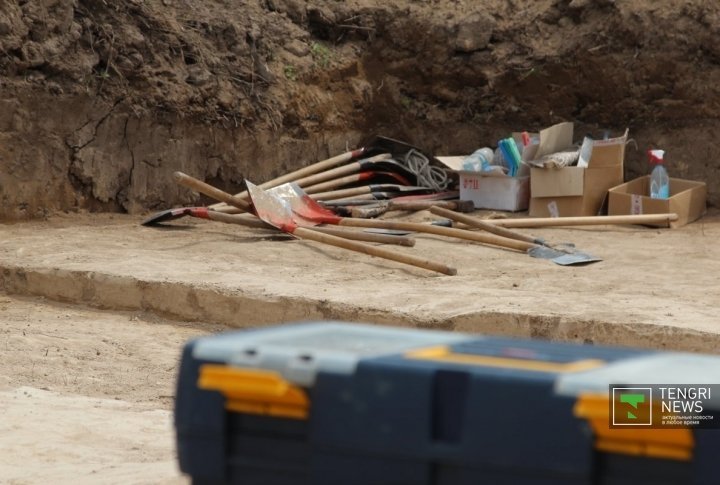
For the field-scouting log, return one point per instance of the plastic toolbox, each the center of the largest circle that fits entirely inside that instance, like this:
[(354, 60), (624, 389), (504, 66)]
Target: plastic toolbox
[(346, 404)]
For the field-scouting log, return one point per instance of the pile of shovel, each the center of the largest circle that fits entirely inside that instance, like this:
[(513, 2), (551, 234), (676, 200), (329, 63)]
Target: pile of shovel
[(384, 169), (321, 202)]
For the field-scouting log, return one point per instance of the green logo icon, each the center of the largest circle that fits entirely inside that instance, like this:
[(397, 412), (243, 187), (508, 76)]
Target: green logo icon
[(631, 406), (633, 400)]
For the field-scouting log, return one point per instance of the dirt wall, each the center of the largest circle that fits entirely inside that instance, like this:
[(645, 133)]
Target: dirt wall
[(101, 102)]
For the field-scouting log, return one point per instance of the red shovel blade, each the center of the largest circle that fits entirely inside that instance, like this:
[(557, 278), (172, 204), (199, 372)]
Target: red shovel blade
[(388, 175)]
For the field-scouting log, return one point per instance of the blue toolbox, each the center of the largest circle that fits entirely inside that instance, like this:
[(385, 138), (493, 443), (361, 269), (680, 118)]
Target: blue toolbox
[(348, 404)]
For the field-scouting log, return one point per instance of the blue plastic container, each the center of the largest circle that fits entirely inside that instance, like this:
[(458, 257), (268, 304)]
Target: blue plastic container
[(337, 403)]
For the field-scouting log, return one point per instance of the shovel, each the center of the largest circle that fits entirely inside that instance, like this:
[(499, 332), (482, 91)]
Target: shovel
[(307, 208), (275, 211), (366, 164), (217, 194), (419, 205), (252, 221), (447, 195), (305, 171), (371, 193), (428, 170), (354, 178), (378, 163), (586, 220), (563, 256)]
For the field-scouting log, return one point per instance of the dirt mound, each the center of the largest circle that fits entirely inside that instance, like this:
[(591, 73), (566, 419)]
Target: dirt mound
[(101, 101)]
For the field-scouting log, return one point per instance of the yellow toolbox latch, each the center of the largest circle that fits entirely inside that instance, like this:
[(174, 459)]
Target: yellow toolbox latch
[(255, 391), (672, 444)]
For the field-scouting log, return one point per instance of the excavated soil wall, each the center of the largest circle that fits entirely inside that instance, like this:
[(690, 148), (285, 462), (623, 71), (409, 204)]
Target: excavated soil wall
[(101, 101)]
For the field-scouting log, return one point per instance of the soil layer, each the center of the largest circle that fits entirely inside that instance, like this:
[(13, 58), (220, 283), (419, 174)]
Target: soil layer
[(640, 295), (101, 101)]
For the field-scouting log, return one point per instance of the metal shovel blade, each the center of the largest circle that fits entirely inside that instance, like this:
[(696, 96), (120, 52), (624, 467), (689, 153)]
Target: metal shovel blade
[(392, 166), (302, 205), (563, 258), (270, 208), (171, 215)]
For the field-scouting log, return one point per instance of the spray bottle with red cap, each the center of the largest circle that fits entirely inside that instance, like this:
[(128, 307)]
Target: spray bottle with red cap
[(659, 180)]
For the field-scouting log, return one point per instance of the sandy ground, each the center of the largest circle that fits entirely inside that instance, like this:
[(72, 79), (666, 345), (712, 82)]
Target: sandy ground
[(86, 395), (655, 288)]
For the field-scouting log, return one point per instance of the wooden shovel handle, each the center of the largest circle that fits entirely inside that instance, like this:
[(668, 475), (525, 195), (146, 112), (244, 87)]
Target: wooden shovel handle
[(367, 237), (440, 231), (342, 194), (251, 221), (422, 205), (248, 220), (369, 212), (586, 221), (340, 171), (304, 172), (305, 233), (335, 183), (480, 224), (392, 205), (210, 191), (355, 192)]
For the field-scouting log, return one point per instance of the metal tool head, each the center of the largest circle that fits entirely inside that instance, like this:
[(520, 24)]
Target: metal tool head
[(446, 195), (562, 257), (393, 167), (402, 152), (387, 177), (303, 206), (173, 214), (393, 191), (412, 190), (272, 209), (381, 144)]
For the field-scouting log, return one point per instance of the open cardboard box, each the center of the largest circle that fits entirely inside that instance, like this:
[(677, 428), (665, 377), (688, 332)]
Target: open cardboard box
[(687, 200), (489, 190), (578, 191)]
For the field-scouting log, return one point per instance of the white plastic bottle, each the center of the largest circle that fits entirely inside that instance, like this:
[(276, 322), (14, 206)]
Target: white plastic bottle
[(479, 161), (659, 180)]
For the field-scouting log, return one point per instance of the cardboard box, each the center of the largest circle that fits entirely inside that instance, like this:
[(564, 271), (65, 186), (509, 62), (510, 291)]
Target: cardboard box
[(501, 192), (578, 191), (687, 200), (491, 190), (497, 193), (575, 192)]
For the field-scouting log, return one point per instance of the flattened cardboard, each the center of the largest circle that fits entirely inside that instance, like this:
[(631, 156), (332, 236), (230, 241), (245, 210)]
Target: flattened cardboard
[(687, 200), (554, 139)]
